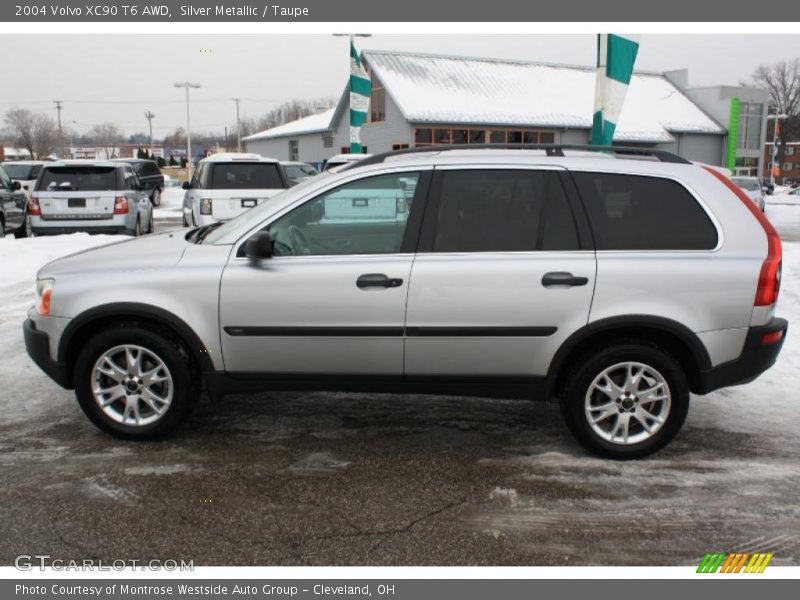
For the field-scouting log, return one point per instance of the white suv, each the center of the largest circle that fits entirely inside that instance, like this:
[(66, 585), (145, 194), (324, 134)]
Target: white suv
[(227, 184), (619, 282)]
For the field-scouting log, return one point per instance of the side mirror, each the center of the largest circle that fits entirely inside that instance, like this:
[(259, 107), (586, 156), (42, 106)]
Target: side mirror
[(187, 185), (259, 246), (16, 185)]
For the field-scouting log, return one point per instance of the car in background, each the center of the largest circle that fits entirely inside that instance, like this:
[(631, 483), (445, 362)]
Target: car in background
[(792, 182), (340, 160), (13, 207), (794, 192), (229, 183), (298, 171), (149, 175), (767, 186), (92, 196), (24, 171), (751, 186)]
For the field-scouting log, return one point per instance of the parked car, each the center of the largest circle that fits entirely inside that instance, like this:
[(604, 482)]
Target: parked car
[(792, 182), (13, 207), (767, 186), (296, 172), (92, 196), (340, 160), (24, 171), (229, 183), (752, 189), (794, 192), (617, 284), (149, 175)]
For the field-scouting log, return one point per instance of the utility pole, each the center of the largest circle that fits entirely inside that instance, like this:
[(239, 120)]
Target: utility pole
[(59, 106), (238, 126), (150, 116)]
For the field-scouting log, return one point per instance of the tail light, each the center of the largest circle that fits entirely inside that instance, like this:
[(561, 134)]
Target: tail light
[(769, 280), (120, 205), (34, 209)]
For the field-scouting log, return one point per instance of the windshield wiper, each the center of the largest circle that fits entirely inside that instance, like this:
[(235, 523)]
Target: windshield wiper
[(199, 234)]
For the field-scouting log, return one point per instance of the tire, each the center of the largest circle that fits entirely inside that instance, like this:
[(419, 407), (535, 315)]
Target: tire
[(156, 198), (2, 228), (151, 228), (178, 392), (138, 229), (607, 367), (25, 230)]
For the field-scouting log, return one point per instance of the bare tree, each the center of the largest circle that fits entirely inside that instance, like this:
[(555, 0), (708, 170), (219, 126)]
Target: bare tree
[(108, 136), (782, 81), (36, 132), (45, 135)]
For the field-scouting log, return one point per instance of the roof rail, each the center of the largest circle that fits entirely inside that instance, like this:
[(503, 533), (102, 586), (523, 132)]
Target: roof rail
[(550, 150)]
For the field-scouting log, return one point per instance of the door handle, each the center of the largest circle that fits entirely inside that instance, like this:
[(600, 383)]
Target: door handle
[(563, 278), (369, 280)]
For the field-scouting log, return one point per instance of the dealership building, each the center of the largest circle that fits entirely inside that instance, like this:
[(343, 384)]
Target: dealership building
[(423, 100)]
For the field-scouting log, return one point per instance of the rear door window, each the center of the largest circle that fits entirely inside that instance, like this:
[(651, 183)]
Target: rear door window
[(75, 179), (496, 210), (633, 212), (246, 176)]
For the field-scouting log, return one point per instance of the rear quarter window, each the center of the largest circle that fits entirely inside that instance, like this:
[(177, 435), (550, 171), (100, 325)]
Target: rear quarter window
[(634, 212)]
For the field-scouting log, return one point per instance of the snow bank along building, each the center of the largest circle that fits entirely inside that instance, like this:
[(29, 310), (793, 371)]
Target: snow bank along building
[(424, 99)]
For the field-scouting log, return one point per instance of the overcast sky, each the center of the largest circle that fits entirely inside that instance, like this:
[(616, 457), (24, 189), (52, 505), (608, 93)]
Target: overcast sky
[(117, 78)]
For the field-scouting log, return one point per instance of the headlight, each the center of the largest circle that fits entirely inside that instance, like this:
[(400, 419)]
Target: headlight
[(205, 206), (44, 294)]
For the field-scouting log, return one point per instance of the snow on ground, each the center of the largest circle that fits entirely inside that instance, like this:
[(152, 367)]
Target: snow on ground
[(171, 204)]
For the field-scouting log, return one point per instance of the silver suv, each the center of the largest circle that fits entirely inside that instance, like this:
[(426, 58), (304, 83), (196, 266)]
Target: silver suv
[(618, 282), (87, 195)]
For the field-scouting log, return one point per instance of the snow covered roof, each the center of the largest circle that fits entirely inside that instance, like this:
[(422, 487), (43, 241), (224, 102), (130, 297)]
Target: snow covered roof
[(480, 91), (311, 124)]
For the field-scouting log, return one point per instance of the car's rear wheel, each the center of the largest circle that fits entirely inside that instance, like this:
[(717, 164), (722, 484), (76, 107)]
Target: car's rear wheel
[(2, 228), (135, 382), (138, 229), (151, 224), (156, 199), (626, 400), (24, 230)]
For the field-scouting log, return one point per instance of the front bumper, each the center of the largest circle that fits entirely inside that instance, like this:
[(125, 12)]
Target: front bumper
[(37, 344), (756, 357)]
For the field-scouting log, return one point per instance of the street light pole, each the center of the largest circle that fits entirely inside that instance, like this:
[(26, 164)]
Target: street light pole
[(775, 145), (186, 85), (238, 127)]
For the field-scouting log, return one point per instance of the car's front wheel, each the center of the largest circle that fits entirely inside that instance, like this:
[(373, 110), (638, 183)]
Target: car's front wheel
[(626, 400), (135, 382), (156, 199)]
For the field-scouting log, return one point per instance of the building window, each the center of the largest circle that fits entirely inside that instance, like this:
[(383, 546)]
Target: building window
[(294, 150), (377, 101), (432, 136), (346, 150), (787, 166), (789, 151), (750, 119), (399, 146)]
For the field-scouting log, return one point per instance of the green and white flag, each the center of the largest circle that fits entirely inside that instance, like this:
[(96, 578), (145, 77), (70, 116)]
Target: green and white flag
[(616, 55), (360, 90)]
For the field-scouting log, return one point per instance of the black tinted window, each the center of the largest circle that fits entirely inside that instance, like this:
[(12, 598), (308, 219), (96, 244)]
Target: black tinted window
[(503, 210), (243, 176), (73, 179), (630, 212)]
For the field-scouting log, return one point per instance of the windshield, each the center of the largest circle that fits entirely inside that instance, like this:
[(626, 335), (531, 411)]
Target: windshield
[(246, 176), (74, 179), (751, 185), (256, 214), (21, 171), (299, 171)]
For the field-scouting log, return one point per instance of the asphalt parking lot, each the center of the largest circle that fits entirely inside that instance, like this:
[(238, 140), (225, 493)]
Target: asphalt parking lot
[(363, 479)]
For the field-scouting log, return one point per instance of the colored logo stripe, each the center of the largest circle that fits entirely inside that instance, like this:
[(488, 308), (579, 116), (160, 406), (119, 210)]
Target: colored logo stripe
[(734, 563)]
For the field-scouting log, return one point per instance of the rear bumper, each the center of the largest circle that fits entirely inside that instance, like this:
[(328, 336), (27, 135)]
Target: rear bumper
[(37, 344), (60, 230), (756, 357)]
